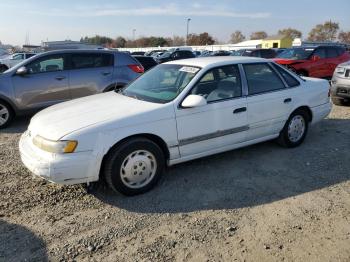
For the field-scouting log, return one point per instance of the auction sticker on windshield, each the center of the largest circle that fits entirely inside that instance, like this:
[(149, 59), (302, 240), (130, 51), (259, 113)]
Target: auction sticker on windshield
[(189, 69)]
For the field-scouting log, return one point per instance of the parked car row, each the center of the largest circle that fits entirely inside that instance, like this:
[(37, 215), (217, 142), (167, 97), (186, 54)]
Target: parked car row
[(57, 76), (13, 59), (178, 111)]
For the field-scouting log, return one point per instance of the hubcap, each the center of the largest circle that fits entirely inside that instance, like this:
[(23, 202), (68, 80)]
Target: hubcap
[(296, 128), (4, 114), (138, 169)]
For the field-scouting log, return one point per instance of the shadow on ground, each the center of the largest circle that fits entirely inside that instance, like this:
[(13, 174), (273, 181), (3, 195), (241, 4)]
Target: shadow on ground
[(250, 176), (18, 243)]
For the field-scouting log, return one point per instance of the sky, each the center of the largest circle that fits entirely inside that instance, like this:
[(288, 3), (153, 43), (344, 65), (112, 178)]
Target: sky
[(53, 20)]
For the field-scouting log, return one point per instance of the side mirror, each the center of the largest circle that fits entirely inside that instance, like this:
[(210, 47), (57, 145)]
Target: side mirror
[(315, 58), (21, 71), (193, 101)]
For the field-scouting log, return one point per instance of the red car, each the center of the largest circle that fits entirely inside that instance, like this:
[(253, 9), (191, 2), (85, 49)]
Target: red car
[(315, 62)]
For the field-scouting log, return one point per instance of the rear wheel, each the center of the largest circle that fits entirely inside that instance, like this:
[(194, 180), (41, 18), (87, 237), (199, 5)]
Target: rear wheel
[(134, 167), (6, 114), (295, 129)]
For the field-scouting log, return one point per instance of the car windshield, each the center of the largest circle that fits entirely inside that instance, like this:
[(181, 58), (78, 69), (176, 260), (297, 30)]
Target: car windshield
[(161, 84), (164, 55), (295, 53)]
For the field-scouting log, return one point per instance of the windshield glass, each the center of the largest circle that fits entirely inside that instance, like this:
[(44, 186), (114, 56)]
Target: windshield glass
[(295, 53), (164, 55), (161, 84)]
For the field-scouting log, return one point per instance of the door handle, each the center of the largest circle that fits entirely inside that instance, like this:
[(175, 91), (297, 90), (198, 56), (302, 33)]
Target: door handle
[(287, 100), (239, 110), (59, 78), (106, 73)]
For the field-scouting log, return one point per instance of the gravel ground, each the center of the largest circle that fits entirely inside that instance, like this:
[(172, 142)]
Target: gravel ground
[(260, 203)]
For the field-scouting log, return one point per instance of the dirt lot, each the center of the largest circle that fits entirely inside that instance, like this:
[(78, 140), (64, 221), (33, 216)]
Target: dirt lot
[(261, 203)]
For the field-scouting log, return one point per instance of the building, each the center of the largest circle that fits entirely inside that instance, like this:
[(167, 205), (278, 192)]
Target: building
[(68, 44), (277, 41)]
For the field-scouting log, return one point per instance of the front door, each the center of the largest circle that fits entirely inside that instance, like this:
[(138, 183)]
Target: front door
[(219, 124), (45, 83)]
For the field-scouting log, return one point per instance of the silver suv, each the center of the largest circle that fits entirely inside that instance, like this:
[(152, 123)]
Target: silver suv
[(57, 76), (340, 89)]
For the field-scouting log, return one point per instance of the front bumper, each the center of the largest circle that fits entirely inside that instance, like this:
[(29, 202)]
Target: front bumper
[(340, 87), (64, 169)]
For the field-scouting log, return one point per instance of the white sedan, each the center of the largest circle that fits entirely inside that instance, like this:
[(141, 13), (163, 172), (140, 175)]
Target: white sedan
[(178, 111)]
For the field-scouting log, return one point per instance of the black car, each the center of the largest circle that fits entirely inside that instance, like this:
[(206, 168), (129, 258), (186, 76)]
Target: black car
[(221, 53), (146, 61), (263, 53), (138, 53), (176, 55)]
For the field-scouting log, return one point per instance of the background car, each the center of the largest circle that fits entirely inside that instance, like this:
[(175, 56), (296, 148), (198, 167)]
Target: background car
[(315, 62), (138, 53), (58, 76), (263, 53), (221, 53), (340, 85), (13, 60), (176, 55), (147, 62)]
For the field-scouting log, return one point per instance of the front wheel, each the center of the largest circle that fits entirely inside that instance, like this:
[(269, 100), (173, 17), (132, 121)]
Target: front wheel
[(6, 114), (134, 167), (295, 130)]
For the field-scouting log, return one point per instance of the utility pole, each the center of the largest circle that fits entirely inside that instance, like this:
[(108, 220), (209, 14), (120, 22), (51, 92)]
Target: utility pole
[(188, 25)]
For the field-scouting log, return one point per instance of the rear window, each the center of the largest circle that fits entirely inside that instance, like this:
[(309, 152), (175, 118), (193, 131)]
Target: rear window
[(290, 80), (86, 60)]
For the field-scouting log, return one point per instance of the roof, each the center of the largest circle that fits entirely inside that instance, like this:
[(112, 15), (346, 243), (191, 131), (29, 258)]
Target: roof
[(217, 61), (276, 37)]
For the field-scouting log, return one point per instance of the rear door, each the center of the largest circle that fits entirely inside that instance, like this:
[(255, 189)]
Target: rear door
[(46, 82), (90, 73), (332, 60), (269, 100)]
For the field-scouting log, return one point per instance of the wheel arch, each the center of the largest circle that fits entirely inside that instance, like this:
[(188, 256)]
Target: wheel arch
[(152, 137), (11, 104), (305, 109)]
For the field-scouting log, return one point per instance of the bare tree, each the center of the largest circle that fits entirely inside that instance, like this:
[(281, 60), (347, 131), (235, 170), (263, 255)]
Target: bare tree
[(258, 35), (324, 32), (237, 37), (290, 32), (201, 39), (344, 37)]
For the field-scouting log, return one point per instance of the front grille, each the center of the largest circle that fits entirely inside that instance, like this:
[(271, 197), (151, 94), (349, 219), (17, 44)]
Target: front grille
[(347, 73)]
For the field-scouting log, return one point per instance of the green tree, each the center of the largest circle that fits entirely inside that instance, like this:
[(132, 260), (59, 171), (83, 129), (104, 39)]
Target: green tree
[(290, 32), (324, 32), (237, 37), (258, 35)]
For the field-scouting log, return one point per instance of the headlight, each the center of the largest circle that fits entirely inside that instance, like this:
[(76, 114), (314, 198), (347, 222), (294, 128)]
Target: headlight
[(340, 70), (55, 146)]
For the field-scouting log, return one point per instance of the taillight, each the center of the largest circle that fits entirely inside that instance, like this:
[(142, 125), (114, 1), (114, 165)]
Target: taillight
[(137, 68)]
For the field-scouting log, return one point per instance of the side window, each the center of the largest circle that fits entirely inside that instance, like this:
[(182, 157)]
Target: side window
[(49, 63), (332, 52), (85, 60), (261, 78), (219, 84), (291, 81), (340, 51), (18, 57), (321, 52)]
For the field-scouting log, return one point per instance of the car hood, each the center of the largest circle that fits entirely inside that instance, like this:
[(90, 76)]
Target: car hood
[(283, 61), (62, 119)]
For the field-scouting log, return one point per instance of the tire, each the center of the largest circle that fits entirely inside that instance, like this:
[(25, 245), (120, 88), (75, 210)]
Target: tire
[(338, 101), (6, 114), (3, 68), (134, 167), (295, 129)]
